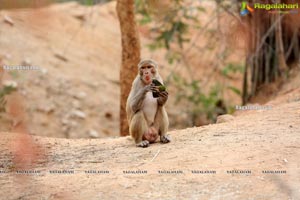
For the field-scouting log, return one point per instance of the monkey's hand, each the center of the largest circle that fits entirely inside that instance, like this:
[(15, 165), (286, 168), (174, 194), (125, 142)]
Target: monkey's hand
[(163, 97), (143, 144), (150, 87)]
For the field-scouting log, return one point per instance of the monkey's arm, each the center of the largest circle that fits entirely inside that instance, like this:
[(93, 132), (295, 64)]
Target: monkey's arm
[(137, 100)]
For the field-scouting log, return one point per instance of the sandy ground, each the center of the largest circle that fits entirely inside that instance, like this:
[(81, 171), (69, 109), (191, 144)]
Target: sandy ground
[(254, 141)]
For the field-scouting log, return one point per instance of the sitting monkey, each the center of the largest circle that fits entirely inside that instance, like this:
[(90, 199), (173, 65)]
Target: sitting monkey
[(147, 116)]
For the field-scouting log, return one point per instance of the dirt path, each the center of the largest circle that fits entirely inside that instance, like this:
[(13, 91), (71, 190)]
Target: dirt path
[(255, 141)]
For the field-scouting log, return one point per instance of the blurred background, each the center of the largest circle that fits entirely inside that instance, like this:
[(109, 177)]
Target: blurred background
[(211, 57)]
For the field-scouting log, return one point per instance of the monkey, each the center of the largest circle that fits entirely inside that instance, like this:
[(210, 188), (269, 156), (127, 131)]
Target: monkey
[(146, 115)]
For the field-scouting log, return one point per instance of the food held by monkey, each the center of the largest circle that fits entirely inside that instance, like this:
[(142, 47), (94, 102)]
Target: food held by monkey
[(161, 87), (146, 113)]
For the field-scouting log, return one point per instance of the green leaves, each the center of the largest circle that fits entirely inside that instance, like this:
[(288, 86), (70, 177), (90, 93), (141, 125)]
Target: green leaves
[(85, 2), (235, 90), (2, 104), (192, 93), (6, 90), (146, 19), (170, 29), (232, 68), (88, 2)]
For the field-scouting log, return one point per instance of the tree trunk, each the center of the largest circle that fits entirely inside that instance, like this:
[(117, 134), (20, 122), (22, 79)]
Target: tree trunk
[(266, 59), (279, 45), (130, 55)]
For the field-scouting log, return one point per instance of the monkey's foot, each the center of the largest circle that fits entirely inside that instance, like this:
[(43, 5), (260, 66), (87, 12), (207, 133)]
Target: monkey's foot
[(143, 144), (165, 139)]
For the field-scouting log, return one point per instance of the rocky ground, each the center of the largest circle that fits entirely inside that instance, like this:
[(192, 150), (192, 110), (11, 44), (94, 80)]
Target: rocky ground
[(75, 88)]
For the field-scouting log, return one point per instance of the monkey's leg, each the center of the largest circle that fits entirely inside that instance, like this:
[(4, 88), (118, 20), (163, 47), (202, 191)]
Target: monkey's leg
[(138, 126), (162, 122)]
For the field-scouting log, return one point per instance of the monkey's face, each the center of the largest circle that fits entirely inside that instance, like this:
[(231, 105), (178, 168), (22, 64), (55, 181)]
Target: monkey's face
[(147, 73)]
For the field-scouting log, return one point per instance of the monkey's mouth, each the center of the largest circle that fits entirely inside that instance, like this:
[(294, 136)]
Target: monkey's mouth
[(148, 78)]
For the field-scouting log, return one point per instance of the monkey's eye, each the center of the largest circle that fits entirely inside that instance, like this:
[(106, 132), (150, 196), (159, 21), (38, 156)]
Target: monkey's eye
[(143, 67), (149, 67)]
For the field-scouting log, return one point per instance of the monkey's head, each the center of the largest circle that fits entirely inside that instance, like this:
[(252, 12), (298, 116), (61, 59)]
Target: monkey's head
[(147, 70)]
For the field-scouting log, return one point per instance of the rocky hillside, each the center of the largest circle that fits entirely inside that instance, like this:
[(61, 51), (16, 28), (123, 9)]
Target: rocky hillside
[(78, 49)]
